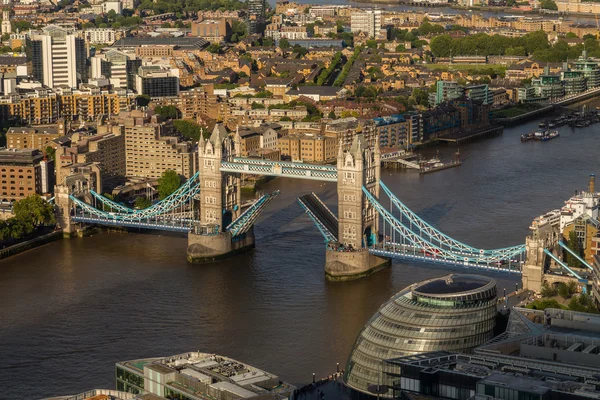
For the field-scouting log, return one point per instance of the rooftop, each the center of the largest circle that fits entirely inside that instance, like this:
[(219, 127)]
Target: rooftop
[(453, 284)]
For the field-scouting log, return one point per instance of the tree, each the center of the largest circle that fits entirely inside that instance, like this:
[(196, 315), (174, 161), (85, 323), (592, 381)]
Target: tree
[(573, 244), (563, 291), (34, 209), (284, 44), (548, 290), (168, 112), (214, 48), (142, 202), (257, 106), (50, 152), (372, 44), (168, 182), (542, 304), (331, 115), (189, 130), (142, 100), (571, 35), (548, 5)]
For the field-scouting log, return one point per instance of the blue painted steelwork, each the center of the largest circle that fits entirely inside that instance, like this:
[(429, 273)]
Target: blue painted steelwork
[(244, 222), (327, 234), (422, 228), (327, 173), (564, 246), (111, 204), (392, 250), (562, 264), (423, 244), (185, 226)]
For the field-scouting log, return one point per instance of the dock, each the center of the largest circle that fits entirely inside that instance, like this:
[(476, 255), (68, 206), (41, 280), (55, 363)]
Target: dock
[(399, 159)]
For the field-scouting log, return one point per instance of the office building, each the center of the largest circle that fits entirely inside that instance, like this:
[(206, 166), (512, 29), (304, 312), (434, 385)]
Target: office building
[(156, 81), (543, 354), (199, 376), (455, 312), (367, 21), (589, 68), (256, 16), (117, 66), (58, 57), (21, 173), (151, 147)]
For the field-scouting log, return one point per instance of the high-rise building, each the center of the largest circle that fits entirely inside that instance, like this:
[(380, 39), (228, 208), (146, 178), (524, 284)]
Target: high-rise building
[(256, 16), (366, 21), (58, 57)]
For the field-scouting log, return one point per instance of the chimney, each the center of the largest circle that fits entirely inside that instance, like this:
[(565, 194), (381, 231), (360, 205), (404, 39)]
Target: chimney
[(592, 188)]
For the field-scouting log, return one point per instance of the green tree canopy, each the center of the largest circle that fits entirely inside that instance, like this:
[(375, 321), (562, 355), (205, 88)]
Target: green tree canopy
[(168, 182), (142, 100), (190, 130), (35, 209), (169, 112), (142, 202), (284, 44), (548, 5)]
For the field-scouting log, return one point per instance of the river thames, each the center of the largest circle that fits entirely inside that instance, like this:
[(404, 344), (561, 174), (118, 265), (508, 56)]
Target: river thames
[(73, 308)]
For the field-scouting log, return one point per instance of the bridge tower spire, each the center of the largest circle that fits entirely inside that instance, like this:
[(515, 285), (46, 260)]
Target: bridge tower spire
[(219, 200), (358, 221)]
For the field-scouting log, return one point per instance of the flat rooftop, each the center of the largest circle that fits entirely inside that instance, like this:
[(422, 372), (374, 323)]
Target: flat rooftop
[(454, 283)]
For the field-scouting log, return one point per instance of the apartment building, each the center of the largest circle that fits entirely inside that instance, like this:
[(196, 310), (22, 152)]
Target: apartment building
[(151, 147), (101, 35), (58, 57), (367, 21), (35, 137), (21, 173), (261, 137), (308, 147)]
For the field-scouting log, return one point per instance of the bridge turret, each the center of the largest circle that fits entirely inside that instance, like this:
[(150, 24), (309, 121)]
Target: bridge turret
[(358, 222), (220, 196)]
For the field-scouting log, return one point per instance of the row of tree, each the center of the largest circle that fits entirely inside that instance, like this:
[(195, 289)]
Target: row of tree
[(485, 45)]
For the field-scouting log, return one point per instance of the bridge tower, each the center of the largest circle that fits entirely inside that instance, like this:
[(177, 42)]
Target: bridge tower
[(358, 222), (219, 201)]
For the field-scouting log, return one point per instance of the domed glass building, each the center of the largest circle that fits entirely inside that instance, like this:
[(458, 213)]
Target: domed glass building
[(456, 312)]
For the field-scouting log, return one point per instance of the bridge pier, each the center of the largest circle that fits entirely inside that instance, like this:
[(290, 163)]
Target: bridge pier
[(205, 248), (354, 264)]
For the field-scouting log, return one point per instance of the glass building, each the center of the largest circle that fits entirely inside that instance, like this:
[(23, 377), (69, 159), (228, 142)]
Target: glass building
[(454, 313)]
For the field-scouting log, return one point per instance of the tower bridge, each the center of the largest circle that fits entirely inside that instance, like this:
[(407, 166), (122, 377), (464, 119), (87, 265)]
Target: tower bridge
[(360, 240)]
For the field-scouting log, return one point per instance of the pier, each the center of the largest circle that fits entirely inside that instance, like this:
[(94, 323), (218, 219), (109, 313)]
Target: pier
[(470, 135)]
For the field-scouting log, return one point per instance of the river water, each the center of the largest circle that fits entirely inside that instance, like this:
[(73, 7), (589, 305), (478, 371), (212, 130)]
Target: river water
[(71, 309)]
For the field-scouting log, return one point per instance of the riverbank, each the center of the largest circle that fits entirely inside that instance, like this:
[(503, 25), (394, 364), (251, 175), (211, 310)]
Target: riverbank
[(30, 244)]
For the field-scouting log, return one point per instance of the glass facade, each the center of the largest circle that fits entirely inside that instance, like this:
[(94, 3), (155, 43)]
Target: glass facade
[(128, 381), (453, 313)]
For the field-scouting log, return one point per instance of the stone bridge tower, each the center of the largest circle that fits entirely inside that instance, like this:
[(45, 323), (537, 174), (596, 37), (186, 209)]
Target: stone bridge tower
[(219, 201), (358, 222)]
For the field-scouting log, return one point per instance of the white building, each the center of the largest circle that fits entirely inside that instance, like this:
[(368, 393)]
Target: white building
[(367, 21), (116, 6), (100, 36), (119, 67), (58, 57)]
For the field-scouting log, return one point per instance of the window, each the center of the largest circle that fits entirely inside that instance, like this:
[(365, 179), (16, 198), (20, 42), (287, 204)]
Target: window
[(349, 176)]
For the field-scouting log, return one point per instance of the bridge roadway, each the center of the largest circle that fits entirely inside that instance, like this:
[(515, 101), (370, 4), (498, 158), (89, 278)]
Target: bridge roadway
[(321, 213)]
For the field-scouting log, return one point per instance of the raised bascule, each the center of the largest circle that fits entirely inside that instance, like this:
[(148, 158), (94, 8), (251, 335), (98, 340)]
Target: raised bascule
[(360, 240)]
